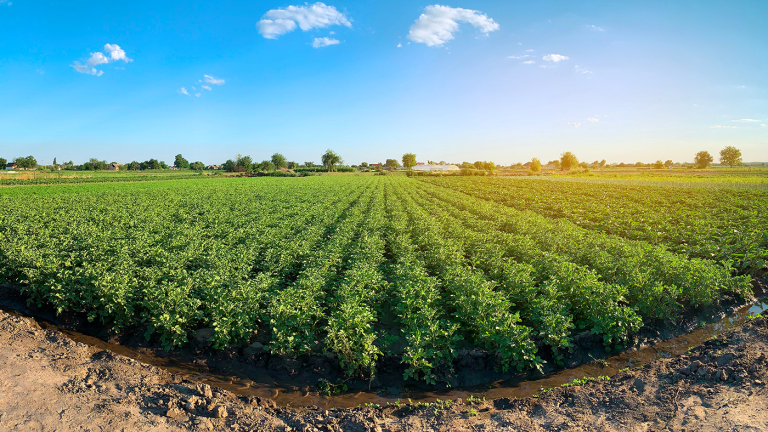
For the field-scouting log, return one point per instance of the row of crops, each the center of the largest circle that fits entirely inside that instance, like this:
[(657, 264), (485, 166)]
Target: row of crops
[(724, 224), (354, 266), (30, 179)]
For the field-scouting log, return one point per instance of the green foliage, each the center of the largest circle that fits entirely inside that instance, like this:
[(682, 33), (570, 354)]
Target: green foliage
[(730, 156), (279, 161), (702, 159), (392, 163), (411, 266), (409, 160), (568, 160), (331, 159), (180, 162), (535, 165)]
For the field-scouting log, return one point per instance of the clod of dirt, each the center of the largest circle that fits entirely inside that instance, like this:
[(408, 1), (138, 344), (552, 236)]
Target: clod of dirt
[(253, 349), (639, 385), (724, 359), (204, 336), (174, 413), (722, 375), (205, 391), (220, 412)]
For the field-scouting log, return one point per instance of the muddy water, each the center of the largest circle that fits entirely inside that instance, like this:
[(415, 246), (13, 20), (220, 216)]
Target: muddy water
[(285, 395)]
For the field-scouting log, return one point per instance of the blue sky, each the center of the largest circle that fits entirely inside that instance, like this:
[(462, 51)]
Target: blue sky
[(622, 81)]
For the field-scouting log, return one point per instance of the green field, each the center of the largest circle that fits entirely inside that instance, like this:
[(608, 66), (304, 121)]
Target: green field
[(360, 265)]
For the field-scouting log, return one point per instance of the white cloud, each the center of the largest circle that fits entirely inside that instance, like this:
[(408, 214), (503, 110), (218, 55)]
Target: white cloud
[(97, 58), (593, 119), (197, 94), (722, 127), (595, 28), (763, 124), (213, 80), (40, 71), (575, 124), (529, 62), (5, 2), (529, 50), (554, 57), (116, 53), (520, 56), (182, 91), (582, 70), (438, 23), (280, 21), (86, 69), (399, 45), (206, 87), (747, 121), (324, 42)]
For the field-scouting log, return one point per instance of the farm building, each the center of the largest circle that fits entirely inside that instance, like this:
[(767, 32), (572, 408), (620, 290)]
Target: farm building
[(114, 167), (11, 166), (423, 167)]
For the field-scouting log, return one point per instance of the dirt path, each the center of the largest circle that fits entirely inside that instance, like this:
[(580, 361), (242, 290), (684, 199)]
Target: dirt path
[(49, 383)]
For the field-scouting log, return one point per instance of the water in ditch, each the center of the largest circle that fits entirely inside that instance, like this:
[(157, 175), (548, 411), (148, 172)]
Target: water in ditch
[(265, 386)]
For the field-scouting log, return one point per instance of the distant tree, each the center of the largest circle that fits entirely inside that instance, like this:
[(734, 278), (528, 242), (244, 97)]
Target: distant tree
[(555, 163), (180, 162), (54, 162), (293, 165), (658, 164), (489, 166), (150, 164), (132, 166), (309, 164), (229, 166), (430, 162), (622, 165), (392, 163), (668, 163), (197, 166), (730, 156), (94, 164), (478, 165), (467, 165), (266, 166), (28, 162), (520, 166), (409, 160), (568, 160), (3, 163), (442, 163), (535, 165), (702, 159), (364, 164), (163, 165), (244, 164), (279, 161), (602, 163), (584, 165), (330, 159)]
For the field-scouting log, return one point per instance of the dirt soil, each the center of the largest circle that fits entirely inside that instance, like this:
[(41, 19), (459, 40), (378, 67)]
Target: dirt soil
[(48, 382)]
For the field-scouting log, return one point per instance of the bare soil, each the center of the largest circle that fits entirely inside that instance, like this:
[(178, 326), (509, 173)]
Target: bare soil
[(48, 382)]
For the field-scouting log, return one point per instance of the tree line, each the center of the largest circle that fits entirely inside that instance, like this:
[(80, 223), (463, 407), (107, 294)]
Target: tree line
[(331, 161)]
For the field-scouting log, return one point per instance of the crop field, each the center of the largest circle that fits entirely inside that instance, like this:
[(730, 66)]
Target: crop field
[(360, 266), (727, 224)]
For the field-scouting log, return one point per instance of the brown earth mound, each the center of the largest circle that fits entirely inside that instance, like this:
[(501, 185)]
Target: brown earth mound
[(48, 382)]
